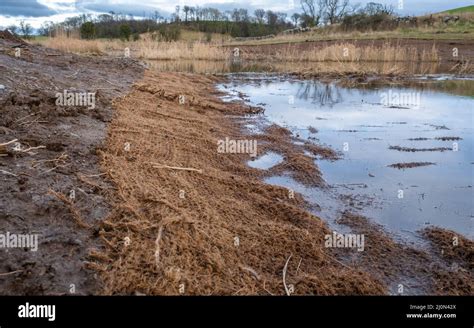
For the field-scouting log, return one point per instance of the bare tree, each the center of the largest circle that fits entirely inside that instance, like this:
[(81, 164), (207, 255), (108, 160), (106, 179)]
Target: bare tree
[(373, 8), (13, 29), (240, 15), (281, 18), (177, 10), (156, 16), (260, 15), (244, 15), (186, 10), (295, 18), (198, 13), (272, 18), (215, 14), (25, 29), (335, 10), (235, 15), (313, 9)]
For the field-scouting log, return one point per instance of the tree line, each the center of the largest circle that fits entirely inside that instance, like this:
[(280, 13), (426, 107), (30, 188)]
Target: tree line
[(238, 22)]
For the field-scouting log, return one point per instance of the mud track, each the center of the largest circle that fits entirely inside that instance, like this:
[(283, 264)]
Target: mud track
[(63, 143)]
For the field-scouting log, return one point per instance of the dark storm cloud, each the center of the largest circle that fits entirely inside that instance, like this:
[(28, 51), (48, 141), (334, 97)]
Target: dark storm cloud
[(29, 8)]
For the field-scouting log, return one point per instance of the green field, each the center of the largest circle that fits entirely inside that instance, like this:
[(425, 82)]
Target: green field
[(460, 10)]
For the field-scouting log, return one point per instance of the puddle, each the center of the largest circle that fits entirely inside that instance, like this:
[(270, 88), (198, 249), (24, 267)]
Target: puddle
[(266, 161), (397, 189)]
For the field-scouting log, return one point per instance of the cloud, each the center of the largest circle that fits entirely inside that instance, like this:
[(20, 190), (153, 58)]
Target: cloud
[(27, 8), (124, 7), (276, 5), (37, 11)]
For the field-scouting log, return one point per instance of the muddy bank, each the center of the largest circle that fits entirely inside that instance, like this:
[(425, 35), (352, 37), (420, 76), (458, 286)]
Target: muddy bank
[(189, 219), (455, 274), (51, 184), (444, 269)]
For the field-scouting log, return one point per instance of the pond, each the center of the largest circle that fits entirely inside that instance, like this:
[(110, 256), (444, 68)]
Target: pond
[(250, 66), (406, 150)]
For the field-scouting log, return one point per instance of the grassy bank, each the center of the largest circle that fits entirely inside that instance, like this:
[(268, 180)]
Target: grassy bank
[(430, 27)]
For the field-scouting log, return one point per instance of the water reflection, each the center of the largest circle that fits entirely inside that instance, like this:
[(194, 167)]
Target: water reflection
[(230, 66), (325, 94), (462, 86), (354, 121)]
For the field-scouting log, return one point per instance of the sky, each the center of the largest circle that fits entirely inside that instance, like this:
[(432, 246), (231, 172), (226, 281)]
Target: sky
[(37, 12)]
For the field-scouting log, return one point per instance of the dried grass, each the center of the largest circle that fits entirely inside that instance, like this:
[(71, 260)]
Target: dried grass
[(153, 50), (350, 52), (73, 45), (187, 245)]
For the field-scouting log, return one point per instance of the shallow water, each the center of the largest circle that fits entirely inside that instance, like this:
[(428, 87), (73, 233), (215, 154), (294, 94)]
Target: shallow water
[(266, 161), (362, 124), (233, 66)]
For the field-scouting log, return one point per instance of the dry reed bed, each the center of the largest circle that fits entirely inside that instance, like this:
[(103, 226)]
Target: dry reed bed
[(350, 52), (228, 233), (73, 45), (146, 48), (340, 59)]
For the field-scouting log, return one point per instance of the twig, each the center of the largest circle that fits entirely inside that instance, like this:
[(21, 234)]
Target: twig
[(10, 273), (252, 271), (21, 119), (52, 169), (27, 150), (298, 268), (72, 208), (161, 166), (8, 173), (61, 157), (269, 292), (31, 122), (84, 179), (93, 175), (8, 143), (157, 244), (284, 275), (74, 74)]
